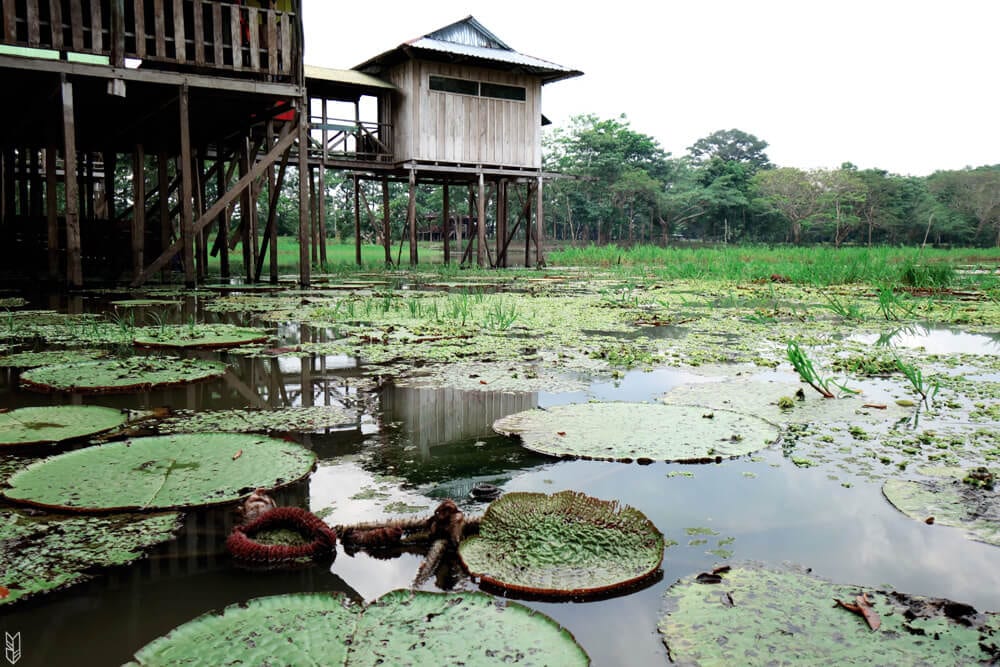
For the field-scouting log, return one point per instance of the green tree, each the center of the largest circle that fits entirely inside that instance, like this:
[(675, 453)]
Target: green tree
[(792, 193), (974, 193), (731, 146)]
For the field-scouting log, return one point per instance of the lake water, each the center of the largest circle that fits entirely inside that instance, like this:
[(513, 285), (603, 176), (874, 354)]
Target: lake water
[(415, 446)]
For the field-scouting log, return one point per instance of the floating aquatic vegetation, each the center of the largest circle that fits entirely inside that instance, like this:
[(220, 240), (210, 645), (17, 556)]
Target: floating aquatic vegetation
[(203, 336), (160, 472), (49, 358), (638, 431), (42, 554), (400, 628), (279, 420), (48, 424), (566, 544), (316, 539), (125, 375), (478, 376), (754, 614), (142, 303), (950, 497)]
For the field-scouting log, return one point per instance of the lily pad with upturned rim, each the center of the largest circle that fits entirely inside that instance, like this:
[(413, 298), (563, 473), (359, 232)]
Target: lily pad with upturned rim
[(48, 553), (757, 614), (130, 374), (49, 424), (49, 358), (400, 628), (631, 431), (949, 500), (202, 336), (161, 472), (566, 544)]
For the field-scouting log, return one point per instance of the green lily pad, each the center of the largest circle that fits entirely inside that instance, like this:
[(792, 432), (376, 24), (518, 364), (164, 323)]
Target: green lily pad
[(141, 303), (161, 472), (401, 628), (757, 615), (32, 426), (280, 420), (49, 358), (565, 544), (627, 431), (131, 374), (204, 336), (950, 501), (479, 376), (48, 553)]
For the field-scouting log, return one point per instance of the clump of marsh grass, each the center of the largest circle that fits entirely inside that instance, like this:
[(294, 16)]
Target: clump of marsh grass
[(807, 372)]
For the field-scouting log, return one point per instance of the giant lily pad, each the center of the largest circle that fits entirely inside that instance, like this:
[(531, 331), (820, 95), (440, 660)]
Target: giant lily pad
[(280, 420), (566, 544), (130, 374), (950, 500), (758, 615), (45, 554), (161, 472), (49, 358), (31, 426), (198, 336), (626, 431), (401, 628)]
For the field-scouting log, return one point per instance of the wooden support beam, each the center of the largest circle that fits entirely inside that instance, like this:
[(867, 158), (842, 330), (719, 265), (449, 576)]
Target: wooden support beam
[(284, 142), (539, 225), (481, 223), (245, 198), (272, 220), (525, 212), (118, 33), (386, 228), (166, 223), (74, 265), (303, 134), (110, 165), (51, 211), (411, 217), (200, 252), (139, 210), (357, 221), (527, 228), (187, 187), (222, 237), (501, 224), (446, 224)]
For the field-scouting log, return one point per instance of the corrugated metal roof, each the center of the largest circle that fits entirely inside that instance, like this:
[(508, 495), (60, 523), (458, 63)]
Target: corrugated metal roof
[(499, 55), (346, 76), (469, 32)]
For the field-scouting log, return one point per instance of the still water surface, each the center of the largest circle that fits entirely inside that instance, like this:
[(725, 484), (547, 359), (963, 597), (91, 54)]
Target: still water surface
[(434, 443)]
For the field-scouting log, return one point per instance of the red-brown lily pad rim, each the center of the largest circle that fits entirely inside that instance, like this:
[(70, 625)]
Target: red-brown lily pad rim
[(243, 547)]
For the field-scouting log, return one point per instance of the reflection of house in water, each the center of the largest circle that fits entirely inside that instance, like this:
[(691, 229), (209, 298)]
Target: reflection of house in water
[(443, 415)]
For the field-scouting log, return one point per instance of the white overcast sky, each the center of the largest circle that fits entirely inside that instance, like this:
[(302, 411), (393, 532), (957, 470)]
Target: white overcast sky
[(910, 86)]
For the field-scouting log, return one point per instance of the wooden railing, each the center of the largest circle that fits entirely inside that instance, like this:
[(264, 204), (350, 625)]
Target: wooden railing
[(200, 33), (336, 139)]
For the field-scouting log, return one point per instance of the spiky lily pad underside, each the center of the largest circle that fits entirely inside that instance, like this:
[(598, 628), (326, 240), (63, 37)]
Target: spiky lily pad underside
[(199, 336), (48, 424), (280, 420), (950, 501), (48, 553), (401, 628), (161, 472), (566, 544), (630, 431), (131, 374), (758, 615)]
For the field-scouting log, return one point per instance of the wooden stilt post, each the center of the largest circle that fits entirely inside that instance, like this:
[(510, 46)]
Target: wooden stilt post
[(539, 224), (446, 224), (527, 227), (110, 165), (221, 183), (201, 270), (321, 211), (313, 223), (22, 184), (51, 211), (481, 223), (303, 110), (357, 220), (88, 185), (411, 217), (245, 198), (36, 183), (187, 186), (472, 214), (166, 223), (501, 231), (138, 210), (74, 266), (386, 228)]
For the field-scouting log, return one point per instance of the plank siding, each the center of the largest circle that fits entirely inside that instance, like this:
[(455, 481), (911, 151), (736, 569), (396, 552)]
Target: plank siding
[(140, 28), (31, 15)]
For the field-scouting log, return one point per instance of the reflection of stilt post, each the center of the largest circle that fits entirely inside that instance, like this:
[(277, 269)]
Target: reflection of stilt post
[(411, 217), (74, 267), (481, 223), (446, 224), (305, 379)]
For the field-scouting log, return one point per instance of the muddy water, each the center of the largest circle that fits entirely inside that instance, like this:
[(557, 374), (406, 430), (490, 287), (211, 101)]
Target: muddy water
[(415, 446)]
